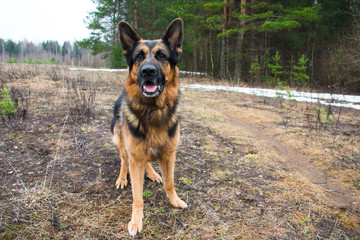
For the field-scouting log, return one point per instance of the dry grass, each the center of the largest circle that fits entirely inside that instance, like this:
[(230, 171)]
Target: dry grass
[(236, 166)]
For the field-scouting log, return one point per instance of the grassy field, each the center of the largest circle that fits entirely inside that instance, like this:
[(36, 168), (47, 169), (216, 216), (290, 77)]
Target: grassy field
[(248, 167)]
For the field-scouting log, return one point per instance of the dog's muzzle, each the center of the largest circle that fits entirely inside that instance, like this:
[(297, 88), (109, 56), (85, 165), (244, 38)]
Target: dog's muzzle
[(150, 81)]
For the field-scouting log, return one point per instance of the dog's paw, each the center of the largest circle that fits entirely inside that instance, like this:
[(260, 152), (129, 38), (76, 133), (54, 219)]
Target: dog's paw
[(134, 227), (178, 203), (153, 176), (121, 182)]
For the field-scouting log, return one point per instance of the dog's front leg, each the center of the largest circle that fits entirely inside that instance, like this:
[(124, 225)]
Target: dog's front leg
[(167, 163), (137, 170)]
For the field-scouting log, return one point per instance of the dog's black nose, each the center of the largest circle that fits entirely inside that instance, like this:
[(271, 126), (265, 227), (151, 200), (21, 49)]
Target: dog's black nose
[(148, 70)]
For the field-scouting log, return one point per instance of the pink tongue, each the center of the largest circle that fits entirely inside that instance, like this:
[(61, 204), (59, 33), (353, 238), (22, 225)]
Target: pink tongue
[(150, 88)]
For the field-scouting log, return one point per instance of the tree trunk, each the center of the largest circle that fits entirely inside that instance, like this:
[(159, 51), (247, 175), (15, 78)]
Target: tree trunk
[(143, 19), (239, 44), (206, 55), (211, 54), (114, 29), (222, 55), (154, 15), (228, 24), (195, 62), (136, 21), (223, 51), (3, 52), (238, 60), (312, 60)]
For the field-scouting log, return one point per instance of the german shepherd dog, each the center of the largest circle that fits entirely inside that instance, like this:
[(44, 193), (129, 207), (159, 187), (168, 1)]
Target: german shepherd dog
[(145, 126)]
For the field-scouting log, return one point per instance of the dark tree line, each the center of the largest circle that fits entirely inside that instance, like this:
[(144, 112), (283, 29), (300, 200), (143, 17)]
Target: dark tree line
[(284, 43)]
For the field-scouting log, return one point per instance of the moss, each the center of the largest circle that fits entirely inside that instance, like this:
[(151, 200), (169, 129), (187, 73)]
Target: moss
[(185, 180)]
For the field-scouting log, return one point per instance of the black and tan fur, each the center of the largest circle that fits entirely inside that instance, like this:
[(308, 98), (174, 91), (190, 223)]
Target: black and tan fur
[(146, 126)]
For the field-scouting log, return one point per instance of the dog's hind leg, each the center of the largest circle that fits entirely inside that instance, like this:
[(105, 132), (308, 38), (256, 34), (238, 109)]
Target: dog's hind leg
[(167, 163), (151, 174)]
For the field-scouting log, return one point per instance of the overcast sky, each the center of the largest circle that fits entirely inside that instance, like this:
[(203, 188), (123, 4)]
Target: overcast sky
[(40, 20)]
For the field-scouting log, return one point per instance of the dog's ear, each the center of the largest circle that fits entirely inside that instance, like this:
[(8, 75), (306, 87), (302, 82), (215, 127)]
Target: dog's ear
[(128, 36), (174, 35)]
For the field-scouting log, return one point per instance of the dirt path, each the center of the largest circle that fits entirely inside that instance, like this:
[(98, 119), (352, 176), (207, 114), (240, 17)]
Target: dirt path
[(260, 124), (301, 163)]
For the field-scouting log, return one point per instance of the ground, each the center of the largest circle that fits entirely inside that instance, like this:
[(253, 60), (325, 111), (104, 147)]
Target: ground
[(248, 167)]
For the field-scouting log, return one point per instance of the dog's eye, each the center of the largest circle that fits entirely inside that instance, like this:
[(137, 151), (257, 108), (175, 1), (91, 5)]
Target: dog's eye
[(161, 56), (140, 57)]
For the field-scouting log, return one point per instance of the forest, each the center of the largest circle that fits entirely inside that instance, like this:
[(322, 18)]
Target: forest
[(299, 44)]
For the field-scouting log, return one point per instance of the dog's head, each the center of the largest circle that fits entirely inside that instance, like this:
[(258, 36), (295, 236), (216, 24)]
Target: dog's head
[(152, 63)]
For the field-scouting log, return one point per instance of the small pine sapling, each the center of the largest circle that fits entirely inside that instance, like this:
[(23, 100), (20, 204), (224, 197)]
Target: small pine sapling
[(7, 105), (255, 70), (299, 74), (276, 70)]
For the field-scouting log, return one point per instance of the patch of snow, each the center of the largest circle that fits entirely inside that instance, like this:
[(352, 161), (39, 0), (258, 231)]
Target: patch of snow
[(336, 100), (98, 69), (124, 70), (192, 73)]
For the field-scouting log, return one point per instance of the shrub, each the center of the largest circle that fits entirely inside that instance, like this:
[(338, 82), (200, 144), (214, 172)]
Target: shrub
[(53, 60), (14, 107), (7, 105), (28, 61), (80, 98), (12, 60)]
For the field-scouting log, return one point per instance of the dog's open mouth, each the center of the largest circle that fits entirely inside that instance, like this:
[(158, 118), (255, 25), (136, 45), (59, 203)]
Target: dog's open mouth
[(150, 89)]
